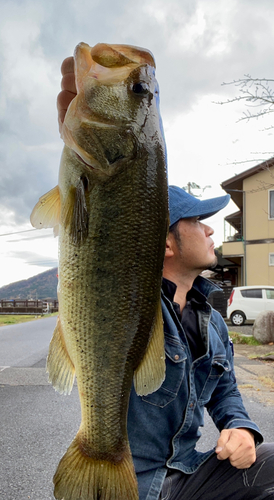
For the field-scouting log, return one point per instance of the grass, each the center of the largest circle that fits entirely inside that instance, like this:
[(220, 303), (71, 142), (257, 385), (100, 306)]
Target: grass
[(237, 338), (267, 381), (246, 386), (14, 319)]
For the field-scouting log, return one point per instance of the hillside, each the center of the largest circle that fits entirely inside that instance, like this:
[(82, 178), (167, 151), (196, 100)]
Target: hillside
[(41, 286)]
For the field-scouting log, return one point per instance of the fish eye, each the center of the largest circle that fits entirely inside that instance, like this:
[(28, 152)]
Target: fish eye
[(140, 88)]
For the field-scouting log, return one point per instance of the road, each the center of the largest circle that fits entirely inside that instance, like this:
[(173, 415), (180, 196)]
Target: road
[(37, 424), (26, 343)]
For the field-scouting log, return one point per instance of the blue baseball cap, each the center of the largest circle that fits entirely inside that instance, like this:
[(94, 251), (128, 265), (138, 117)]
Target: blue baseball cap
[(183, 205)]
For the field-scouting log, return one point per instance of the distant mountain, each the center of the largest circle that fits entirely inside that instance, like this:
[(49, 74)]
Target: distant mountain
[(42, 286)]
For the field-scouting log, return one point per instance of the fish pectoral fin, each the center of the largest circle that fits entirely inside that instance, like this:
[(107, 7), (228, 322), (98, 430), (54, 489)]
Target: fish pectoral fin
[(59, 365), (46, 212), (75, 215), (150, 374)]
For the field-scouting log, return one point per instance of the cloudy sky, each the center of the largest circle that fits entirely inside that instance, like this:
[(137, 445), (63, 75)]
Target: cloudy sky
[(197, 44)]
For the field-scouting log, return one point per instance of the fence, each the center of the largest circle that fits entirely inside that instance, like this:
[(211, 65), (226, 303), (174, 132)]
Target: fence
[(219, 299), (18, 306)]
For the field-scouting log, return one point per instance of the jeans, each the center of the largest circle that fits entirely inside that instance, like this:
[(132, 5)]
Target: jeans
[(219, 480)]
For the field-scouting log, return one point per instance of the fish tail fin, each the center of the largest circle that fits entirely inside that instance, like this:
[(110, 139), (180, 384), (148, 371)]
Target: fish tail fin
[(79, 476), (59, 365)]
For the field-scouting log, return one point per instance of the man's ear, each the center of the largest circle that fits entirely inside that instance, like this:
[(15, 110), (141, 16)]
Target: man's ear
[(169, 245)]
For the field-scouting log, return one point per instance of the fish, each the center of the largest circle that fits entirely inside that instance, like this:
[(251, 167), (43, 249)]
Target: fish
[(110, 209)]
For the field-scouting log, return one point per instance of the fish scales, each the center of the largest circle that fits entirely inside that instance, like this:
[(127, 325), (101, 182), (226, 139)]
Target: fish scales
[(110, 290), (112, 216)]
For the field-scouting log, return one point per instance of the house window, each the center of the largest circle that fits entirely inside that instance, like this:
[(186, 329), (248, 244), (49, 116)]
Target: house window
[(271, 204), (271, 259)]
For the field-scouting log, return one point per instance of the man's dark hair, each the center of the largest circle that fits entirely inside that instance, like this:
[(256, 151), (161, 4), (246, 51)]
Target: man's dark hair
[(175, 231)]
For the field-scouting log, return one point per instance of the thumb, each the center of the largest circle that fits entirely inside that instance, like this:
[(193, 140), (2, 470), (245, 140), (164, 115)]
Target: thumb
[(223, 439)]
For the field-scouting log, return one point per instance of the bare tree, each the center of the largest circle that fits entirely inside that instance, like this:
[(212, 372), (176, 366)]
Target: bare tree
[(258, 93)]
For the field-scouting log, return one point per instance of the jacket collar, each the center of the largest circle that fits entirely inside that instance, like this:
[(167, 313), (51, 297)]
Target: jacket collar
[(202, 285), (205, 286)]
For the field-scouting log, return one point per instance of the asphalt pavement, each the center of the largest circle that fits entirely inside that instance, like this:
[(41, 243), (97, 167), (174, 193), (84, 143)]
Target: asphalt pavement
[(37, 424)]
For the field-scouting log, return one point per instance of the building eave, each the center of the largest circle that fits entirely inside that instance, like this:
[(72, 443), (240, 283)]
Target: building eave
[(234, 185)]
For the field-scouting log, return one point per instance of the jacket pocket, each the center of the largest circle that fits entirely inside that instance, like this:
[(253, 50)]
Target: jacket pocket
[(175, 372), (219, 366)]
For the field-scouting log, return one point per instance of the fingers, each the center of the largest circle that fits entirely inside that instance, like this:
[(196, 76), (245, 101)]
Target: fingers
[(68, 82), (238, 446), (223, 439), (67, 65), (68, 92), (64, 99)]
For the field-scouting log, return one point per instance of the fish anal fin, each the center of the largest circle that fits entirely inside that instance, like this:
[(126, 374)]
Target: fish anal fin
[(81, 476), (59, 365), (150, 374), (46, 212)]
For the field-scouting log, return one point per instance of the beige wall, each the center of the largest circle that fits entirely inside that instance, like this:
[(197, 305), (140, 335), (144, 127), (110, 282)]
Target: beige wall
[(258, 226), (258, 271), (256, 187), (232, 248)]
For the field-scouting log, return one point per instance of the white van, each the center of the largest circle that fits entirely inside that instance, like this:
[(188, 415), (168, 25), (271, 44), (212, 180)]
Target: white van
[(246, 302)]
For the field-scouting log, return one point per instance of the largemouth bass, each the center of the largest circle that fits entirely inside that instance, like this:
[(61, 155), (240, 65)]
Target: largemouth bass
[(111, 207)]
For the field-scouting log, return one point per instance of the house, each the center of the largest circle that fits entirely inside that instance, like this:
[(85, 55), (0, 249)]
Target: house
[(250, 242)]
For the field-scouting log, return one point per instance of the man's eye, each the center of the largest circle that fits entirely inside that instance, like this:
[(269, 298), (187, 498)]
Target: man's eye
[(140, 88)]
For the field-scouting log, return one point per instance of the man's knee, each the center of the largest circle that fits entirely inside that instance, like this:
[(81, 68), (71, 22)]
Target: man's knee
[(260, 474)]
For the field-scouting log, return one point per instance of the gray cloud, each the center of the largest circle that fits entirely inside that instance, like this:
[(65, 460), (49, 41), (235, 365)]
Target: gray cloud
[(197, 45), (35, 259)]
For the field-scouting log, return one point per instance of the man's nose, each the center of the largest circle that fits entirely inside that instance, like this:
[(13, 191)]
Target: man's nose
[(208, 230)]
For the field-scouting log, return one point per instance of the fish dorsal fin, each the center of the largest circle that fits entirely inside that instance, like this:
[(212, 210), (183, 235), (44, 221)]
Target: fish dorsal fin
[(150, 374), (46, 212)]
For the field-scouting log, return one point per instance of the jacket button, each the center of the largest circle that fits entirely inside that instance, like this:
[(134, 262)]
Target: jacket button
[(176, 357)]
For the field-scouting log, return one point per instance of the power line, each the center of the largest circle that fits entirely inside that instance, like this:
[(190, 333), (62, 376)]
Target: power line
[(26, 231), (46, 263)]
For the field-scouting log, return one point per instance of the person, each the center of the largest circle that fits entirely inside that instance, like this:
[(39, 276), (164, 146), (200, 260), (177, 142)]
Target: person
[(163, 427)]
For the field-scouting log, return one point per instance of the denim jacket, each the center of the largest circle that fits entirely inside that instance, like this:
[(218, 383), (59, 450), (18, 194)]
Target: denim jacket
[(163, 427)]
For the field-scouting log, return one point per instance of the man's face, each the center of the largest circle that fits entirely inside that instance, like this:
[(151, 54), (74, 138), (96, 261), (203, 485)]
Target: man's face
[(194, 247)]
